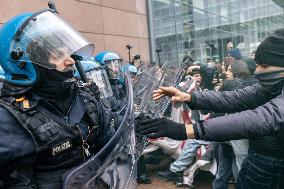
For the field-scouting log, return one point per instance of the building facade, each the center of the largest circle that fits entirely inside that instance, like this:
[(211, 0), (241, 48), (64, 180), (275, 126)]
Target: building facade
[(202, 28), (168, 28), (109, 24)]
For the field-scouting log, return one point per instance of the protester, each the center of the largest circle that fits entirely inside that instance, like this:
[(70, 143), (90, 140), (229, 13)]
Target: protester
[(232, 153), (188, 154)]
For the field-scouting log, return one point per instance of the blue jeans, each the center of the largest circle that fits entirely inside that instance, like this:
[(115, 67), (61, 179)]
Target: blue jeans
[(226, 165), (187, 155), (230, 159), (260, 171)]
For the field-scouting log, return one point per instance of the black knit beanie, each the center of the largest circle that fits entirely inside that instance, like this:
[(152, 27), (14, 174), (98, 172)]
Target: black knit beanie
[(271, 50)]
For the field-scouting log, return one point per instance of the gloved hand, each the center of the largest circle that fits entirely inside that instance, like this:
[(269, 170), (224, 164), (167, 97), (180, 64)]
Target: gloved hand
[(138, 118), (162, 127)]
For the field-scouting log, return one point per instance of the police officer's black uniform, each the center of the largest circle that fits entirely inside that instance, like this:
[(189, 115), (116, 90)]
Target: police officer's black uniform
[(40, 144)]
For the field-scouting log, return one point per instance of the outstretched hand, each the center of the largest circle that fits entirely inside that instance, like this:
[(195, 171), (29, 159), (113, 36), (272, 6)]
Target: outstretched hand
[(172, 92), (162, 127)]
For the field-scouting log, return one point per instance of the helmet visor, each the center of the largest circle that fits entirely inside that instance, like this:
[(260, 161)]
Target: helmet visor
[(99, 76), (113, 68), (47, 40)]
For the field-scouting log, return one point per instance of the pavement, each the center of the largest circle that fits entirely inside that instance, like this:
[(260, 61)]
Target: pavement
[(203, 180)]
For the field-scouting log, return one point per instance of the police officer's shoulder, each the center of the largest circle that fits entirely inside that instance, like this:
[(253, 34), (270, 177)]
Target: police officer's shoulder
[(3, 111), (88, 96), (17, 105), (6, 116)]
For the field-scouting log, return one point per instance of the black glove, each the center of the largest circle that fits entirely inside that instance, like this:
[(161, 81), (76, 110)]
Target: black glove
[(162, 127)]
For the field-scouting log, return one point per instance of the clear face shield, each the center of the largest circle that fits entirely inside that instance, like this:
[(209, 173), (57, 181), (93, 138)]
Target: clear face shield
[(114, 68), (133, 76), (47, 40), (99, 76)]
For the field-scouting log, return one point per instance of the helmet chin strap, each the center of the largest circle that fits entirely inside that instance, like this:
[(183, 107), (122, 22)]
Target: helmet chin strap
[(84, 80), (79, 67)]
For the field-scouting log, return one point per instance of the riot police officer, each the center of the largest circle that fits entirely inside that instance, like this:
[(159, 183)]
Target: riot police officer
[(101, 89), (113, 62), (48, 124)]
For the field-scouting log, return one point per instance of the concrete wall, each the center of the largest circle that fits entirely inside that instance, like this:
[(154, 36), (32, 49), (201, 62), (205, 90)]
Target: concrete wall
[(109, 24)]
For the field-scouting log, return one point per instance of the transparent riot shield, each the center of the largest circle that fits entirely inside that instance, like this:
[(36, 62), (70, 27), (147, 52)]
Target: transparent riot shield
[(150, 77), (99, 76), (149, 80), (114, 166), (171, 75)]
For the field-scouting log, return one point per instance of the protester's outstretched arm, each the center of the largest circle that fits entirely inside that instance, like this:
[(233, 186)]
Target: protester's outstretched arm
[(225, 101), (172, 92), (163, 127), (264, 120)]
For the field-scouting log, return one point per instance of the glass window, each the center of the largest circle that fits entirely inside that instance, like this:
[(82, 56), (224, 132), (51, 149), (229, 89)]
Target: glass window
[(164, 27), (184, 15), (235, 17), (186, 42), (165, 39), (244, 29), (225, 9), (202, 28), (243, 5), (163, 8), (188, 2), (201, 44), (214, 20), (215, 45), (235, 28), (251, 13), (200, 18), (243, 16), (214, 6), (225, 38), (226, 24), (199, 4)]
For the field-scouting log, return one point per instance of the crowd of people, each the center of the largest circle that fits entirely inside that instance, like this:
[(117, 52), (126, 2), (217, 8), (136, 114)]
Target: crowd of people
[(234, 73), (247, 105)]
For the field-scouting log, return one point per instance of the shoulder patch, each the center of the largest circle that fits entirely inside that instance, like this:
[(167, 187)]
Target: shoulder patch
[(61, 147)]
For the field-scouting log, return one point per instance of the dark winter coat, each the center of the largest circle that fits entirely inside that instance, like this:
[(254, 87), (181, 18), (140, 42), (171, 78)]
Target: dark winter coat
[(253, 115)]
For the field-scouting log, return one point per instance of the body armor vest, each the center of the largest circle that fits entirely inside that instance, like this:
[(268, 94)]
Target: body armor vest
[(59, 145)]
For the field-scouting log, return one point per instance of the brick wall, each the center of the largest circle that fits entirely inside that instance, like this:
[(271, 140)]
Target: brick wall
[(109, 24)]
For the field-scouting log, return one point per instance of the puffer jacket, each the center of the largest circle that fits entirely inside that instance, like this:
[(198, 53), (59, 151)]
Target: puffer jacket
[(252, 115)]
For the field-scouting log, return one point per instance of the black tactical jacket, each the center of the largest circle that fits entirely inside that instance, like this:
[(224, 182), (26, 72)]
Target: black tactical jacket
[(39, 145)]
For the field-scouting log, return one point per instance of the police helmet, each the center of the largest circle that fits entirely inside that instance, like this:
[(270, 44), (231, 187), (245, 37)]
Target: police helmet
[(112, 61), (132, 70), (88, 65), (97, 73), (30, 39), (107, 57)]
